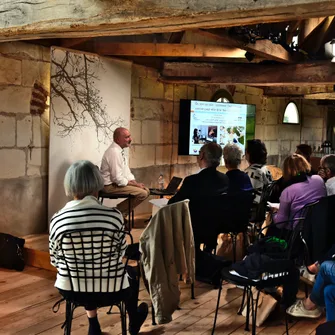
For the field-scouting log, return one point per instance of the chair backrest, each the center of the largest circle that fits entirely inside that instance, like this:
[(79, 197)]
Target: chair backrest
[(259, 210), (319, 228), (93, 259), (224, 213)]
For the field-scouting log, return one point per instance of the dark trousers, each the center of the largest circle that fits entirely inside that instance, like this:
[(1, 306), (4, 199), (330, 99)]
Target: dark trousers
[(93, 300)]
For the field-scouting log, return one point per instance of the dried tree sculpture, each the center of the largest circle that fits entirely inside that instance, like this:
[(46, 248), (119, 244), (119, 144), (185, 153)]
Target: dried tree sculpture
[(73, 80)]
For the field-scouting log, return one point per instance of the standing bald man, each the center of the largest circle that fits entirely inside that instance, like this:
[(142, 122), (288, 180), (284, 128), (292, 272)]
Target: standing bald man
[(117, 175)]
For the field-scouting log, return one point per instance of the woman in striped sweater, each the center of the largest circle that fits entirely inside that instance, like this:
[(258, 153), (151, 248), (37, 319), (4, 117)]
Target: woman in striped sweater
[(83, 182)]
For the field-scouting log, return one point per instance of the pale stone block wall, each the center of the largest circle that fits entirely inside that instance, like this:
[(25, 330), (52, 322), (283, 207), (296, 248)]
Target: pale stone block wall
[(24, 139), (155, 123)]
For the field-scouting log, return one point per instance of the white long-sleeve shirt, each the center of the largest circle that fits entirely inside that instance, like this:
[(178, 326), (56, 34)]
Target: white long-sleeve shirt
[(114, 167)]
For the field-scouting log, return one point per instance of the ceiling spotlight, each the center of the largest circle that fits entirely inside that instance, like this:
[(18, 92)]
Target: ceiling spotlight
[(249, 56)]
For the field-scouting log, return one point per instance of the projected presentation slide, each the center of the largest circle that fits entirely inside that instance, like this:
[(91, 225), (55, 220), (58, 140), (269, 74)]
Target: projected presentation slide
[(221, 123)]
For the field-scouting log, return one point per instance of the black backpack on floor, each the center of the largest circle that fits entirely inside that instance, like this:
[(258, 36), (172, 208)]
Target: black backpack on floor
[(11, 252)]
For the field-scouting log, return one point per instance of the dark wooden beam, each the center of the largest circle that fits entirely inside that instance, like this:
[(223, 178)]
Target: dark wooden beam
[(263, 48), (320, 96), (317, 37), (305, 74), (308, 26), (37, 19), (166, 50), (176, 37), (288, 91)]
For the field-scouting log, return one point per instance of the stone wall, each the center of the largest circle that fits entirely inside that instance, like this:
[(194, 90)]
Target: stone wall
[(154, 125), (282, 139), (154, 112), (24, 139)]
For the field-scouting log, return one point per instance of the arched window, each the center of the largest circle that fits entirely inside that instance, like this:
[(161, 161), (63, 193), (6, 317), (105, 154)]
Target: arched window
[(291, 114), (222, 96)]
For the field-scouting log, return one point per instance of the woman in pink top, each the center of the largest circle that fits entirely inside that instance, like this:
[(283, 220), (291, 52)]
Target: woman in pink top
[(302, 190)]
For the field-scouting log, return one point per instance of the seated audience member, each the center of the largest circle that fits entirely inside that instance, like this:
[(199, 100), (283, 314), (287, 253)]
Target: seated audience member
[(301, 189), (116, 173), (260, 176), (83, 182), (209, 181), (200, 188), (306, 151), (238, 180), (323, 295), (327, 172)]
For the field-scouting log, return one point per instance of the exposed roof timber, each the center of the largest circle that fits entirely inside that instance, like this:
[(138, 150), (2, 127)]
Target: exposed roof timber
[(73, 42), (320, 96), (176, 37), (308, 26), (317, 37), (304, 74), (166, 50), (262, 48), (279, 91), (21, 20)]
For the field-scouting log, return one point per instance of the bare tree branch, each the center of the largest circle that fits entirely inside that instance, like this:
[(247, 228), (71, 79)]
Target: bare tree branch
[(73, 80)]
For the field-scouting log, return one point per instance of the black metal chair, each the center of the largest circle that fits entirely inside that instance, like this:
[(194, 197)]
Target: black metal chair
[(222, 214), (258, 211), (105, 195), (88, 254), (269, 278)]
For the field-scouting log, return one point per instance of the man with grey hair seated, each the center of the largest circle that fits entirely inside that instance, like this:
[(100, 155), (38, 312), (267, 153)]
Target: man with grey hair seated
[(327, 172), (208, 181), (238, 180)]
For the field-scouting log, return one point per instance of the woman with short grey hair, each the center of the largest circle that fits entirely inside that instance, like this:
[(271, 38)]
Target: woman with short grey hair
[(83, 178), (82, 183), (238, 180)]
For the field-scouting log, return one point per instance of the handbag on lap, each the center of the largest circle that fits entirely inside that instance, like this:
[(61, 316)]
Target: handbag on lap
[(11, 252)]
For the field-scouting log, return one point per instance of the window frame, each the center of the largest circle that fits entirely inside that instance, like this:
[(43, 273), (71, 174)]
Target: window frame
[(297, 113)]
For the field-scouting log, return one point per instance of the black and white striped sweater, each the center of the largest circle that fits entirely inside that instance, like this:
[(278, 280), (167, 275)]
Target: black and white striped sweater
[(83, 214)]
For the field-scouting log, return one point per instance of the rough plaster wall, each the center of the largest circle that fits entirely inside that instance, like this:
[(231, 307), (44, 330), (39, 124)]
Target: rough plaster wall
[(24, 139)]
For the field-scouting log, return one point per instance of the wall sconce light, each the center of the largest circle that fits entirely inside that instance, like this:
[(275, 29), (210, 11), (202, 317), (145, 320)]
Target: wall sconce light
[(330, 50)]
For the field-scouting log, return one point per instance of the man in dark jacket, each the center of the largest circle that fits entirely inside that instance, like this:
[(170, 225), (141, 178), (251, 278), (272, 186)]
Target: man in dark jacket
[(208, 181), (203, 189)]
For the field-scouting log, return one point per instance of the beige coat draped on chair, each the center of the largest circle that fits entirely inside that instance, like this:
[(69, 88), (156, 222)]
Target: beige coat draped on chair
[(167, 247)]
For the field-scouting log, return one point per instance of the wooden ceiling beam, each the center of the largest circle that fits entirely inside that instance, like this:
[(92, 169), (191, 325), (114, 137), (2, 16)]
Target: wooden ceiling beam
[(320, 96), (263, 48), (285, 91), (305, 74), (24, 20), (176, 37), (308, 26), (317, 37), (166, 50)]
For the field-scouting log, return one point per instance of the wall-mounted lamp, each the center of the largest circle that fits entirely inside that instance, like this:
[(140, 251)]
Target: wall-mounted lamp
[(330, 50)]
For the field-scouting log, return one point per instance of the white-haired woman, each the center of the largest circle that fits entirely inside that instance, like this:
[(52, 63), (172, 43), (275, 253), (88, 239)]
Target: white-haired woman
[(82, 183), (238, 180)]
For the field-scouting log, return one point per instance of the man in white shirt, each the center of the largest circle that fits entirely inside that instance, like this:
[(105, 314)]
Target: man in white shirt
[(117, 175), (327, 172)]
